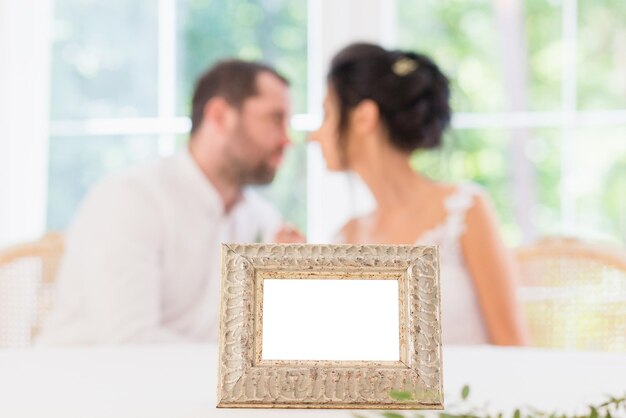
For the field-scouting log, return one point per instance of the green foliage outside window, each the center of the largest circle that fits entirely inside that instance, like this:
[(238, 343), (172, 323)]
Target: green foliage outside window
[(466, 39), (273, 31), (105, 65)]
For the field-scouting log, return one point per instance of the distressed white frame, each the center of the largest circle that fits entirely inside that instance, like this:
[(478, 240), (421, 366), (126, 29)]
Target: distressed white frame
[(245, 380)]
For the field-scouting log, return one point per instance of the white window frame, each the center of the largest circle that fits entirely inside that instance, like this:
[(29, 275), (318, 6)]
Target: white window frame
[(24, 92), (332, 198)]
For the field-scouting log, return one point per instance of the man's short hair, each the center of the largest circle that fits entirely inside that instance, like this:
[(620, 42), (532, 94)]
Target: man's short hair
[(233, 79)]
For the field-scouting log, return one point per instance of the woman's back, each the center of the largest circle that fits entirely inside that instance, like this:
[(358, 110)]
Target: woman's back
[(462, 319), (380, 107)]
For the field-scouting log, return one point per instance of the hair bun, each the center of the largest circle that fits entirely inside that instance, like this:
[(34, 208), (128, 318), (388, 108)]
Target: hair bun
[(409, 89)]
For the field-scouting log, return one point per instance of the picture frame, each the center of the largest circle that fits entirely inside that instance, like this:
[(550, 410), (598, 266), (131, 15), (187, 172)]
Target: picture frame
[(246, 380)]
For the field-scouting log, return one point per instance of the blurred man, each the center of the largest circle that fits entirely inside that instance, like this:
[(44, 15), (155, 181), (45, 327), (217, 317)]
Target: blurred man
[(143, 254)]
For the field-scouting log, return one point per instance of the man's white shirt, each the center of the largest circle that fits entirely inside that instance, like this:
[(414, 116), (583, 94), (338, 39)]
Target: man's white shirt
[(142, 258)]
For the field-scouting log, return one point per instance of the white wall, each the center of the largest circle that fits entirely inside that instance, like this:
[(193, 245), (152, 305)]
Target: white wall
[(24, 74)]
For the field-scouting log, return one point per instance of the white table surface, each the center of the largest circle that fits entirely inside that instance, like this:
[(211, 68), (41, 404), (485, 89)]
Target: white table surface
[(180, 381)]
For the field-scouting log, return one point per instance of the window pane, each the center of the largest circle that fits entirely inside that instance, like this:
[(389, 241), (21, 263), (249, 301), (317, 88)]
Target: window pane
[(274, 31), (599, 183), (543, 24), (76, 163), (104, 59), (522, 183), (498, 58), (461, 37), (602, 54), (544, 150)]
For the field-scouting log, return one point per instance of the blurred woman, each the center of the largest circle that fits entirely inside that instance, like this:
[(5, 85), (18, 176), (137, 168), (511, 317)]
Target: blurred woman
[(381, 106)]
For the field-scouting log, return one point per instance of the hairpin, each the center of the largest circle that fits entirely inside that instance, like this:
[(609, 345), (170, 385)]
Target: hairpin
[(404, 65)]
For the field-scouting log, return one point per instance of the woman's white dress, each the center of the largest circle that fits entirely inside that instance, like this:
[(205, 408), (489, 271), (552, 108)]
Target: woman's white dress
[(462, 321)]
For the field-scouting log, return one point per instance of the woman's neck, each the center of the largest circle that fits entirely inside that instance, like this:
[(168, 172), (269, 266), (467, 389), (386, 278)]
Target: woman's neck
[(389, 176)]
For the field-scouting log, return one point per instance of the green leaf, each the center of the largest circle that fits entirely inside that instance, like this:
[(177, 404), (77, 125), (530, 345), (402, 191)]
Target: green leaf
[(517, 414), (393, 415), (465, 392), (594, 413), (401, 395)]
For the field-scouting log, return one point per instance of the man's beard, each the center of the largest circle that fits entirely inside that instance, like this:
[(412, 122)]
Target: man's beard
[(261, 174), (239, 168)]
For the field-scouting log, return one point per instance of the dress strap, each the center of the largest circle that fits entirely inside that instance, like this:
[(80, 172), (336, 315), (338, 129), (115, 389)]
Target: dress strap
[(457, 205)]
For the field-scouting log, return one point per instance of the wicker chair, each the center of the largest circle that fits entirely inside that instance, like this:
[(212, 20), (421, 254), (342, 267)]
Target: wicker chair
[(27, 274), (574, 294)]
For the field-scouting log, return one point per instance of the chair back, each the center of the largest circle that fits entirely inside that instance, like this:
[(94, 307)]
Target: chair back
[(27, 275), (574, 294)]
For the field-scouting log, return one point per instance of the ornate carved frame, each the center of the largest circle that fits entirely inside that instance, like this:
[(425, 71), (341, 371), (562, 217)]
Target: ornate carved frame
[(245, 380)]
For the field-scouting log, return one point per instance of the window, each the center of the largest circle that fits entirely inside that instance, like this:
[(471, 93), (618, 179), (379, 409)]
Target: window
[(539, 87), (539, 97), (122, 79)]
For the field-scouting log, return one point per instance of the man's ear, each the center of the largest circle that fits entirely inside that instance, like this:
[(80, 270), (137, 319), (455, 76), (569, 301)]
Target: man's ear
[(218, 113), (365, 117)]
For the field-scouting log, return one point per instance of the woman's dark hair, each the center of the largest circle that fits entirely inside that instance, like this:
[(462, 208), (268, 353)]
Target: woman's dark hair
[(234, 80), (411, 92)]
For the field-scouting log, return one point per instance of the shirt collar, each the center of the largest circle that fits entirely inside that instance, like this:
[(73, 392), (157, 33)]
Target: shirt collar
[(201, 186)]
